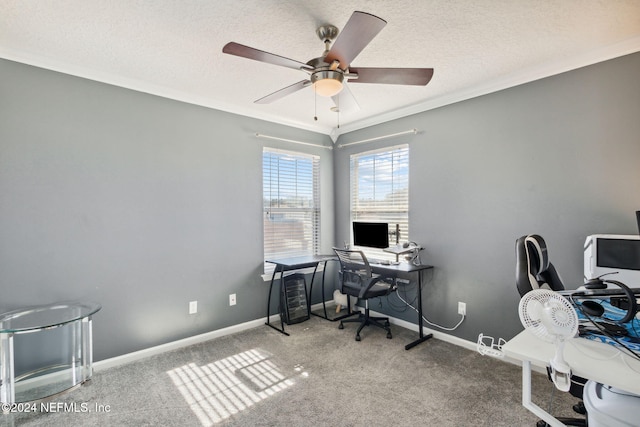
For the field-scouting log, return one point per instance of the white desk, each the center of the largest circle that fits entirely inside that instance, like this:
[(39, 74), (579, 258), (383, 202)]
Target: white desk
[(588, 359)]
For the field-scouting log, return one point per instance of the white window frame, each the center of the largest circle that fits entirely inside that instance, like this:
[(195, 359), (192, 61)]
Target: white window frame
[(291, 204), (380, 193)]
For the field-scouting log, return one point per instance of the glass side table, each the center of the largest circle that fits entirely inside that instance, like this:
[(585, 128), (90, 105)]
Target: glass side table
[(76, 349)]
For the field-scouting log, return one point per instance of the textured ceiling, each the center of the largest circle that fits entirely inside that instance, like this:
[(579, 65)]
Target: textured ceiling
[(173, 48)]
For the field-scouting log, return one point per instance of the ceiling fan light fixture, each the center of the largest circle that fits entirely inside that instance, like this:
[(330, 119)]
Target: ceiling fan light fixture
[(327, 82)]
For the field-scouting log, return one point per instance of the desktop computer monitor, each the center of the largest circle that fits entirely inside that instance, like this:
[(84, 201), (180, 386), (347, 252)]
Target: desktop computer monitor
[(613, 253), (371, 234)]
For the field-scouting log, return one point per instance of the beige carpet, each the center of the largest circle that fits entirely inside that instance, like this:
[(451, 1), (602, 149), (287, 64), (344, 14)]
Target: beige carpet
[(318, 376)]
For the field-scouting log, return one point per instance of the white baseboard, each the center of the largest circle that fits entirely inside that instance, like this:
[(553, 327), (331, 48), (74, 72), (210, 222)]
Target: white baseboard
[(174, 345), (452, 339), (436, 334), (159, 349)]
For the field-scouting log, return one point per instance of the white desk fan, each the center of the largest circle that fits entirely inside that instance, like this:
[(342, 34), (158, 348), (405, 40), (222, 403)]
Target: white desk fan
[(550, 317)]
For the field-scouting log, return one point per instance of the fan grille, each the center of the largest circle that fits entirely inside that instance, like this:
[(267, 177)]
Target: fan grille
[(548, 315)]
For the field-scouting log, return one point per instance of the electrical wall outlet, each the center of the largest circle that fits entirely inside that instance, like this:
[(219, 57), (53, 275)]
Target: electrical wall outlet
[(193, 307), (462, 308), (232, 299)]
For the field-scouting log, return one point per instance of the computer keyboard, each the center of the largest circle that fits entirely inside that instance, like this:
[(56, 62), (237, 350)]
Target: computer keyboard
[(379, 261)]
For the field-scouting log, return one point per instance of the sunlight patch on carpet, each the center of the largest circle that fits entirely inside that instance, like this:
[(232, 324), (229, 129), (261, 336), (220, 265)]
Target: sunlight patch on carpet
[(228, 386)]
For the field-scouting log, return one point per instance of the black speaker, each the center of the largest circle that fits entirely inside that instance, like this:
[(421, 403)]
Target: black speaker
[(294, 299), (638, 218)]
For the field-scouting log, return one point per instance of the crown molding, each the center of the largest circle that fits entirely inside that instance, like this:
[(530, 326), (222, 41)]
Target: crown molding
[(546, 70), (514, 79), (151, 89)]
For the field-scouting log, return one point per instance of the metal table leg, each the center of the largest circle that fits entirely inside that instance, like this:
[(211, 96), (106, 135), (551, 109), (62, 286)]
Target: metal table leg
[(268, 323), (324, 305), (423, 337)]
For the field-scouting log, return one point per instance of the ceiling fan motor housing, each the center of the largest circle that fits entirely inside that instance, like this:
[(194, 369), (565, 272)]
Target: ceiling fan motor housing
[(327, 74), (327, 82)]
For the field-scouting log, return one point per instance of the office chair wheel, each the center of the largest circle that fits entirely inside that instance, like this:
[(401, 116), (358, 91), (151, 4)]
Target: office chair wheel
[(579, 408), (357, 337), (340, 326), (389, 335)]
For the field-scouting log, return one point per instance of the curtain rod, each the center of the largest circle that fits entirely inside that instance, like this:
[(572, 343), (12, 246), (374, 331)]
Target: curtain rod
[(413, 131), (259, 135)]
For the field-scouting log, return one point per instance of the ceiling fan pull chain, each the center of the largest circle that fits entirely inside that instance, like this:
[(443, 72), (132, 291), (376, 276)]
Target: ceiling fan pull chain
[(315, 106)]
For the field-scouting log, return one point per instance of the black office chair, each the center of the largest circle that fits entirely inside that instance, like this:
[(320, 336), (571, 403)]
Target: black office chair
[(534, 271), (356, 279)]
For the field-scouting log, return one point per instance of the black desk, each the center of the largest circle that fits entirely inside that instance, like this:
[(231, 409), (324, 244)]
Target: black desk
[(290, 264), (312, 261), (405, 269)]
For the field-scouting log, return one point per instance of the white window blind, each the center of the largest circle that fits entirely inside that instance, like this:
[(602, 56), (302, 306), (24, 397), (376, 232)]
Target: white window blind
[(291, 204), (380, 191)]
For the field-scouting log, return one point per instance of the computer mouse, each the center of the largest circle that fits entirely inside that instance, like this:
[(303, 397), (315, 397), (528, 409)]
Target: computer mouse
[(592, 308)]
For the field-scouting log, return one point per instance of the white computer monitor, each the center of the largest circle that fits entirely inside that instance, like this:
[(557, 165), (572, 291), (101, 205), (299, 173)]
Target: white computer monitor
[(613, 253)]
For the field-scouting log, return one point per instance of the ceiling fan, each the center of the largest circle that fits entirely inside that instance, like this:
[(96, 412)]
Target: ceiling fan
[(328, 73)]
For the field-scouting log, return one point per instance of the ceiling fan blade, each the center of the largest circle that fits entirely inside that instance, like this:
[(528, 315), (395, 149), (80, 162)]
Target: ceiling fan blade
[(357, 33), (393, 76), (259, 55), (345, 101), (283, 92)]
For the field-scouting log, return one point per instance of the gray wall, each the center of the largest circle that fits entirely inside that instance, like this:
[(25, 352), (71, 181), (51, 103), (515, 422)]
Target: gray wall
[(136, 202), (559, 157), (133, 201)]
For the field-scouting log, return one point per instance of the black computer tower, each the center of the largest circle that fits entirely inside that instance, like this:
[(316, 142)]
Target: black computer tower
[(294, 299)]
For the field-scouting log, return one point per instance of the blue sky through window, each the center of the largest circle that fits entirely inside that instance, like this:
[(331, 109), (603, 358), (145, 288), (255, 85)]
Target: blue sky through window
[(380, 175)]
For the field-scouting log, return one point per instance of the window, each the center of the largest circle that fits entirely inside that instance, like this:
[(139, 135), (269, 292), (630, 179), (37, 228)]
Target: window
[(380, 191), (291, 204)]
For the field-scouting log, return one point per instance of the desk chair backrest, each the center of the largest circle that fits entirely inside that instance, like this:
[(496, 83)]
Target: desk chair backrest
[(354, 268), (533, 269), (357, 278)]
